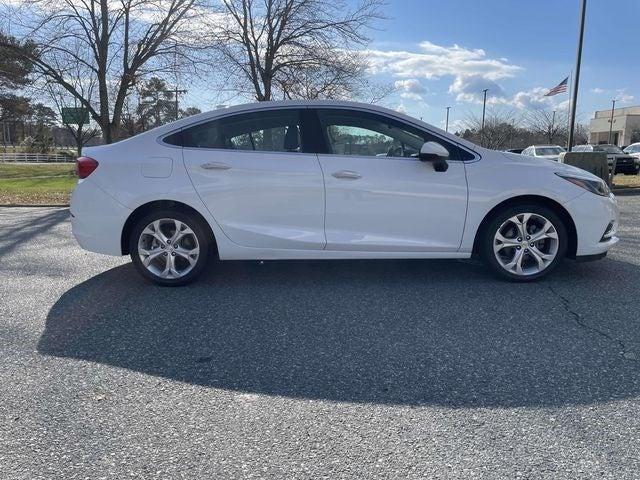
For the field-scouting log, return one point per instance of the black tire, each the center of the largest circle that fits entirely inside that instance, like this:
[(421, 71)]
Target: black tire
[(490, 228), (200, 231)]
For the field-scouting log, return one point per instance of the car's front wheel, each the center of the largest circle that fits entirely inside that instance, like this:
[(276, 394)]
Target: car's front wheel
[(169, 247), (524, 243)]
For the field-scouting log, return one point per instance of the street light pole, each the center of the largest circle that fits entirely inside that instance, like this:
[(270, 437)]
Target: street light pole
[(446, 128), (613, 107), (576, 78), (484, 107)]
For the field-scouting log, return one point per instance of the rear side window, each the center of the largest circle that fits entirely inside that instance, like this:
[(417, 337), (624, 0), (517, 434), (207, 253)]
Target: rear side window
[(267, 131), (174, 139)]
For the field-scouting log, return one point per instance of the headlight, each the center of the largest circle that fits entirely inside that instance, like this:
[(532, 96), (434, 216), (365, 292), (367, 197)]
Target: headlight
[(599, 187)]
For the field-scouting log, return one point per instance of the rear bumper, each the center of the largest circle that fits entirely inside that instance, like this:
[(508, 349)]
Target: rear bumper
[(592, 214), (97, 219)]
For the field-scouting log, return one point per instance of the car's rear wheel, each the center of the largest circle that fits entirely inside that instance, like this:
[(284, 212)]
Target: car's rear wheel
[(169, 247), (524, 243)]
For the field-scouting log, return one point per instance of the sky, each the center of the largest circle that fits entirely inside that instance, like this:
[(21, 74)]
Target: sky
[(439, 53), (443, 53)]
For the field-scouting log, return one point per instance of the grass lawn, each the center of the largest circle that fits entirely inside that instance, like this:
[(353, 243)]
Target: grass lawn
[(36, 183), (626, 181)]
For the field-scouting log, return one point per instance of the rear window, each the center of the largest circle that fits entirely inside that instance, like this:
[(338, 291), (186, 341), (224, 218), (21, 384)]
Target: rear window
[(607, 149)]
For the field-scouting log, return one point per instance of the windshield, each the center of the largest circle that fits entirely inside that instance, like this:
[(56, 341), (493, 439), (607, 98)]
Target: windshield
[(633, 148), (549, 150), (607, 149)]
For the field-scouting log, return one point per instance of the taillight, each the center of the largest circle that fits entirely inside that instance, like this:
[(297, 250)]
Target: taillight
[(85, 166)]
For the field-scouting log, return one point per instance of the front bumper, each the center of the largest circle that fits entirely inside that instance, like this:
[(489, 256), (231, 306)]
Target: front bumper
[(591, 215), (97, 219)]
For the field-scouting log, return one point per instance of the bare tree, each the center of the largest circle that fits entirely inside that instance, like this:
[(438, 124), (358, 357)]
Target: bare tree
[(499, 128), (295, 48), (115, 41), (552, 125)]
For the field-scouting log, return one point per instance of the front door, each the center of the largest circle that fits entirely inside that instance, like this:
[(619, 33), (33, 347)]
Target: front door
[(251, 171), (379, 197)]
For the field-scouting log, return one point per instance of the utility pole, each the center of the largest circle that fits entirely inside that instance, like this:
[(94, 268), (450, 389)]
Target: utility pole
[(576, 78), (613, 107), (177, 92), (446, 128), (553, 121), (484, 107)]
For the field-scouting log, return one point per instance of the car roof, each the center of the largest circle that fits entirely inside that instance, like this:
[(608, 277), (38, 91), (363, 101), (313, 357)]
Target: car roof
[(257, 106)]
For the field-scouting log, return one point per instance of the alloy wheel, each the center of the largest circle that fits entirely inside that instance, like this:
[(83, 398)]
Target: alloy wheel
[(526, 244), (168, 248)]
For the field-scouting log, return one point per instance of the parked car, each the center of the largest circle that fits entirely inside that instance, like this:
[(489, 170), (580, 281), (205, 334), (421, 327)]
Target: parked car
[(304, 180), (514, 150), (625, 163), (634, 151), (551, 152)]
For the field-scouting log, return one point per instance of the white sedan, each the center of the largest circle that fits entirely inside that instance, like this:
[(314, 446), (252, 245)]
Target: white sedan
[(331, 180), (550, 152)]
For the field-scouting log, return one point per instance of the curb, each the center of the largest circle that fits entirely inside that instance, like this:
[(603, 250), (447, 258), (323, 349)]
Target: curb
[(30, 205)]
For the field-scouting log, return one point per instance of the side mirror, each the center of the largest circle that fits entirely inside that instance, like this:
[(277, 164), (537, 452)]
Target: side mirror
[(435, 153)]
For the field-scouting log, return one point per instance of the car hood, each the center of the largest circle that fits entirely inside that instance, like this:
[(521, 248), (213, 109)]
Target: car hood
[(547, 164)]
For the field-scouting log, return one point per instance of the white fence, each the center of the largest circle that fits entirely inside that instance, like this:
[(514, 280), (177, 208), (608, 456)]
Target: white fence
[(34, 157)]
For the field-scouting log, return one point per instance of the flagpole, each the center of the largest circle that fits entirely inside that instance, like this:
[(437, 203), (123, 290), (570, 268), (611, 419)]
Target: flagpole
[(569, 106), (576, 80)]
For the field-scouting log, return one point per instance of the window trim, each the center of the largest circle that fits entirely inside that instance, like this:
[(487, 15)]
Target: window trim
[(314, 143)]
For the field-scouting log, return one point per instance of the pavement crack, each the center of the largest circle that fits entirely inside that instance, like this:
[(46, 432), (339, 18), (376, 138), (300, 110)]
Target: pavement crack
[(566, 303)]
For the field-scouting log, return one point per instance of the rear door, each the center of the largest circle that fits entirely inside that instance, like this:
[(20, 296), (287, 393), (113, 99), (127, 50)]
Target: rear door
[(253, 174), (379, 196)]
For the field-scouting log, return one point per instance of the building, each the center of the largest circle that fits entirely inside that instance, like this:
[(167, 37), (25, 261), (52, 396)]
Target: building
[(625, 130)]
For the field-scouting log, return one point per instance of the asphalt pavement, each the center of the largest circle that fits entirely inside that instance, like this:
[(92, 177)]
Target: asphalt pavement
[(338, 369)]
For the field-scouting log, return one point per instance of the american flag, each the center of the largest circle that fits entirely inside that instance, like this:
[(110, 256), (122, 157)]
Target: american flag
[(560, 88)]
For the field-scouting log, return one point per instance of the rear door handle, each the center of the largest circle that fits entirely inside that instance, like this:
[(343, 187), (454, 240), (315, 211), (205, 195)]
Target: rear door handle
[(348, 174), (215, 166)]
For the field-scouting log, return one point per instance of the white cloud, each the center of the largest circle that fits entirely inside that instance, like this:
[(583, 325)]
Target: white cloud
[(433, 61), (623, 97), (471, 69), (401, 108), (410, 88), (469, 89), (619, 94)]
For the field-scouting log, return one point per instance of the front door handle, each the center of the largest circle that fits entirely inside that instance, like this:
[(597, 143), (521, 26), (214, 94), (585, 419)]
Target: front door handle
[(348, 174), (215, 166)]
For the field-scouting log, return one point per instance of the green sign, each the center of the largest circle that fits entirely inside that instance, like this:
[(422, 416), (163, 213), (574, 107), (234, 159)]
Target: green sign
[(77, 116)]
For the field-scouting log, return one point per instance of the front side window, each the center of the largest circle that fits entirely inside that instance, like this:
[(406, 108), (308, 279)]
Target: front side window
[(267, 131), (371, 135)]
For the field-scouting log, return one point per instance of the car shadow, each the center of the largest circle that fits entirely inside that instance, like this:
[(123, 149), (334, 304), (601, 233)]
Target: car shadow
[(386, 332), (28, 227)]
